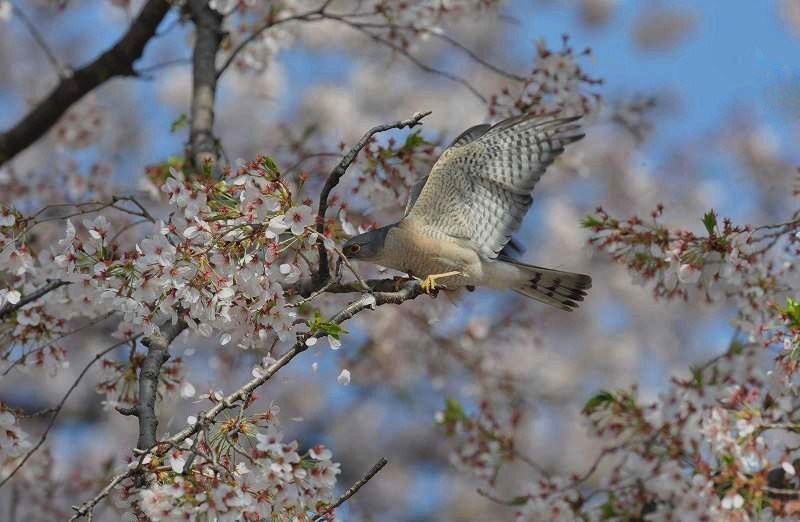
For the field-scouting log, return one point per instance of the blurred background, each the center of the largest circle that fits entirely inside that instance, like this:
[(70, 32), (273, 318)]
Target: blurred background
[(698, 109)]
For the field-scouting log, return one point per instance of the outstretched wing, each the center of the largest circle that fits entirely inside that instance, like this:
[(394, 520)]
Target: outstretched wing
[(468, 136), (480, 191)]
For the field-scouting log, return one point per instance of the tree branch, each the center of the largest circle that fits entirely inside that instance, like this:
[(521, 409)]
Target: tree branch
[(61, 70), (410, 290), (117, 61), (157, 355), (410, 57), (87, 507), (269, 23), (29, 298), (208, 36), (352, 491), (322, 275)]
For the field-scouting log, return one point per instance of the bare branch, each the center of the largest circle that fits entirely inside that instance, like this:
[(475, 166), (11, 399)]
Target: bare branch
[(9, 308), (440, 36), (410, 57), (116, 61), (147, 71), (85, 509), (270, 22), (60, 406), (321, 277), (352, 491), (208, 36)]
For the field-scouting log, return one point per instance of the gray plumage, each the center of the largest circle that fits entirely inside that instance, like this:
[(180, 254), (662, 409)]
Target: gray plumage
[(461, 216)]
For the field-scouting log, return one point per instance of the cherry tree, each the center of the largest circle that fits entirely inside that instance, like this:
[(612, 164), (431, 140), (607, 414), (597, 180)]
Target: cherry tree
[(182, 338)]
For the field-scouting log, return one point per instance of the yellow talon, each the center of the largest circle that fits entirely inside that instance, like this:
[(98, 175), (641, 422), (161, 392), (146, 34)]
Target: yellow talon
[(429, 284)]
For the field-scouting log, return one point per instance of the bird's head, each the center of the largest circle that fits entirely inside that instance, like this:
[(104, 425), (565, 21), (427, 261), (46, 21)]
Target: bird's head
[(367, 246)]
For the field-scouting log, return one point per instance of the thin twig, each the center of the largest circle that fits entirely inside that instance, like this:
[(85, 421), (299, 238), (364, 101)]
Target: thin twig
[(61, 70), (85, 509), (410, 57), (364, 286), (9, 308), (302, 160), (270, 23), (352, 491), (443, 37), (50, 342), (149, 69)]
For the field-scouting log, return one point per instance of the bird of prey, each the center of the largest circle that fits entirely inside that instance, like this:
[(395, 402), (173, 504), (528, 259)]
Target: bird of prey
[(459, 219)]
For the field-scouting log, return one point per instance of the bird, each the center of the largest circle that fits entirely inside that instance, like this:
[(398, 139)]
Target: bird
[(456, 230)]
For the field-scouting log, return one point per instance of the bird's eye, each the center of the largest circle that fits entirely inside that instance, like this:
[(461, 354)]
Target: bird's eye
[(354, 249)]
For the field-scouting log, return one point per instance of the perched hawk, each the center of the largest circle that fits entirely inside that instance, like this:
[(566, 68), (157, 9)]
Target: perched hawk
[(459, 219)]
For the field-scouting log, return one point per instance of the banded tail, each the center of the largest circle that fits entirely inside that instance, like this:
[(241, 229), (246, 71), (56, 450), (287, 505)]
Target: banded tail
[(559, 289)]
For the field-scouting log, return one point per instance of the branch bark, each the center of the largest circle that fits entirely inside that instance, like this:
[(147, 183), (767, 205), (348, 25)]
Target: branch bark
[(208, 36), (322, 515), (116, 61), (157, 355)]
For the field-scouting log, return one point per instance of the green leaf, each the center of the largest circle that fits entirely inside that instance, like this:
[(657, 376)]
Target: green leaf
[(320, 325), (181, 122), (270, 165), (453, 412), (414, 140), (520, 500), (601, 399), (607, 509), (710, 222), (591, 222), (794, 355), (792, 311), (697, 375)]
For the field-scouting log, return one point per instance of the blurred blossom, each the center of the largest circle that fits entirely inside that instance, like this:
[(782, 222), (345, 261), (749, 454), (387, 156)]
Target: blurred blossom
[(596, 13), (662, 29)]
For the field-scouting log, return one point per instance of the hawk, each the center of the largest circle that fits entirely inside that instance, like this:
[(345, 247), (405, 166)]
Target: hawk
[(457, 226)]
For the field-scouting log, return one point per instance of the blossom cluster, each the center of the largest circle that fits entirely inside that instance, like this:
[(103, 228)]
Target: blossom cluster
[(676, 261), (225, 262), (383, 176), (700, 451), (217, 263), (558, 81), (483, 442), (245, 470)]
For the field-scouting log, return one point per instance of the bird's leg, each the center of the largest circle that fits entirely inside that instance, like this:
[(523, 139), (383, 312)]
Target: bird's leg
[(429, 284)]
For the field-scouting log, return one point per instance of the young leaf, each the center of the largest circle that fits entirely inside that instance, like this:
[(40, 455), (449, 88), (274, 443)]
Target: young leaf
[(453, 412), (181, 122), (710, 222), (601, 399)]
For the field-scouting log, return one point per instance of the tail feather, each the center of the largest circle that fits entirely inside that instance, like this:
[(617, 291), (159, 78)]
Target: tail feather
[(563, 290)]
